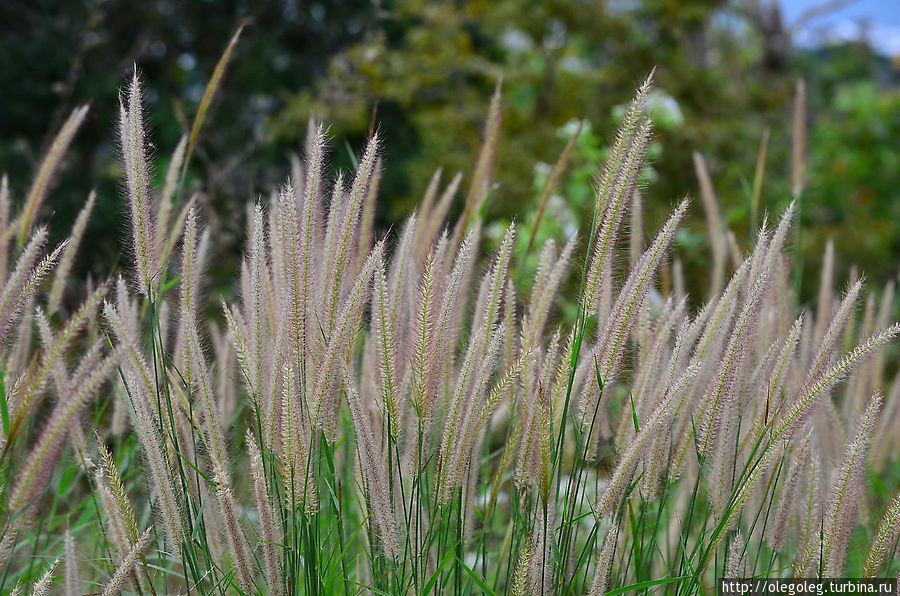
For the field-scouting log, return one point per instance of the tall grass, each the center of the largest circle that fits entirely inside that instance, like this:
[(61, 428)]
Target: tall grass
[(399, 415)]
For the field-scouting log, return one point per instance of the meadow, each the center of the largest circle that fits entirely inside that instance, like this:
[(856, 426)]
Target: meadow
[(400, 413)]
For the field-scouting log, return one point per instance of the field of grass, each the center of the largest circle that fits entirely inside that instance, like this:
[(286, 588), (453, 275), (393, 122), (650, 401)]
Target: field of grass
[(398, 415)]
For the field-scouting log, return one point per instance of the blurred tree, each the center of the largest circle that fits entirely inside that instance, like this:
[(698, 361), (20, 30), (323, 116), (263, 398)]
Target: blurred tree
[(428, 68), (431, 66), (55, 55), (854, 162)]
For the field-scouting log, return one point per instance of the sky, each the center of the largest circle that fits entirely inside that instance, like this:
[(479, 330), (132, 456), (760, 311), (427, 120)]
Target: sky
[(877, 20)]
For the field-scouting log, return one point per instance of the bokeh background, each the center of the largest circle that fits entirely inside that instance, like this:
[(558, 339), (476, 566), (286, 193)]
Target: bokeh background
[(725, 72)]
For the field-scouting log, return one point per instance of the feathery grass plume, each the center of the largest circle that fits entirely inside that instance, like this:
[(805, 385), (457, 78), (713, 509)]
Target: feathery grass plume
[(196, 370), (209, 92), (734, 567), (778, 531), (424, 352), (140, 388), (25, 394), (848, 486), (502, 386), (423, 386), (825, 302), (124, 328), (806, 401), (605, 560), (615, 189), (624, 142), (715, 319), (385, 335), (167, 199), (60, 344), (599, 270), (68, 255), (617, 328), (226, 371), (885, 443), (7, 543), (830, 340), (309, 234), (214, 435), (271, 534), (42, 586), (634, 292), (784, 361), (7, 228), (714, 224), (435, 218), (116, 506), (527, 428), (454, 451), (661, 417), (124, 508), (761, 468), (521, 578), (636, 228), (127, 563), (722, 391), (58, 372), (23, 282), (116, 529), (544, 289), (71, 565), (648, 367), (137, 177), (809, 510), (177, 226), (190, 288), (290, 274), (376, 485), (337, 245), (542, 556), (402, 289), (240, 333), (559, 169), (854, 402), (44, 177), (296, 441), (426, 205), (237, 541), (887, 532), (323, 404), (545, 476), (365, 232), (21, 349), (38, 467), (495, 284), (453, 300), (544, 263), (479, 188)]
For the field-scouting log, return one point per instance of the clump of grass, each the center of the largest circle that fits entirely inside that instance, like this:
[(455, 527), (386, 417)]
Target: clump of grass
[(390, 416)]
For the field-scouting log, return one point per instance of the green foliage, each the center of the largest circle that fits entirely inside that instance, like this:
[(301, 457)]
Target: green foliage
[(427, 69)]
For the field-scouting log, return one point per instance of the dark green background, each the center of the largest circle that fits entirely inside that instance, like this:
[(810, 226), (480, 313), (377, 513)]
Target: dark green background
[(430, 67)]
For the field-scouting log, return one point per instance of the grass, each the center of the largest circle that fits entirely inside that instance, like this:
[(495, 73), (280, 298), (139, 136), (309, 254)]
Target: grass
[(402, 416)]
